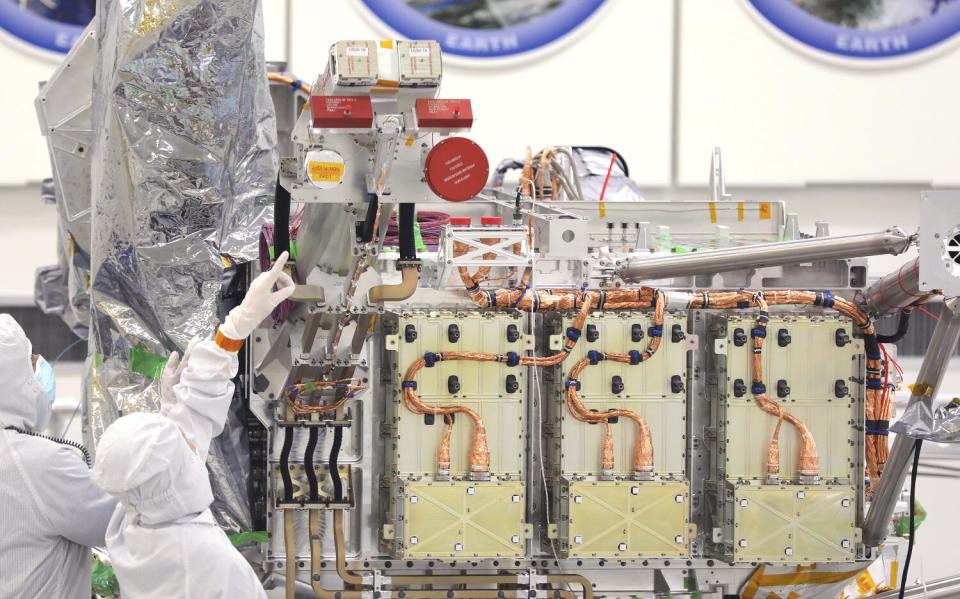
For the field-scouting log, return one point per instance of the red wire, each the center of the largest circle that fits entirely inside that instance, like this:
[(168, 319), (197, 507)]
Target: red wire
[(886, 379), (927, 312), (603, 190)]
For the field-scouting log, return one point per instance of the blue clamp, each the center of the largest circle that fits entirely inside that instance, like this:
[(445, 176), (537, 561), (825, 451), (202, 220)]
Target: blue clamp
[(874, 384), (823, 298), (743, 304), (572, 383), (431, 358), (758, 332), (296, 84), (409, 385), (513, 358), (595, 357), (573, 334), (758, 388), (520, 297), (655, 331), (635, 356)]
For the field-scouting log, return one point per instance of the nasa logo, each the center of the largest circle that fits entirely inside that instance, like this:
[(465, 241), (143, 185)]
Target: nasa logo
[(864, 30), (50, 25), (484, 28)]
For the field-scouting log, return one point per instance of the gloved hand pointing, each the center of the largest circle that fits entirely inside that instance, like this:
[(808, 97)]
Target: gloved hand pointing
[(261, 299), (171, 376)]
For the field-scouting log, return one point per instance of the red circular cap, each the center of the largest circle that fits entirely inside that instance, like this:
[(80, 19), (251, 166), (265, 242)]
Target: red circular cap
[(491, 220), (456, 169), (461, 221)]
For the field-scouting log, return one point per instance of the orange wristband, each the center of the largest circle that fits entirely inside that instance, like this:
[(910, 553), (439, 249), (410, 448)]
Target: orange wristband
[(226, 343)]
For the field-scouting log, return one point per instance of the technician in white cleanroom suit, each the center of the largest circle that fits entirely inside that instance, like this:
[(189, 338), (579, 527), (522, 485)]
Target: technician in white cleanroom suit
[(163, 540), (51, 513)]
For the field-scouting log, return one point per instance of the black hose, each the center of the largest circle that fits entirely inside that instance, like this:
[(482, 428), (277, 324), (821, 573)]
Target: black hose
[(332, 464), (285, 463), (308, 463), (913, 509), (621, 162), (366, 228), (281, 220), (902, 326), (405, 222), (73, 444)]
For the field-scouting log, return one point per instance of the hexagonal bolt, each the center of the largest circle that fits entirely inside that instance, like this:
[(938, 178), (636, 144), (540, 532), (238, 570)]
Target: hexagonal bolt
[(678, 539), (744, 503), (414, 540), (515, 498), (845, 544), (578, 540), (458, 547), (634, 490), (414, 499), (845, 503), (743, 543), (788, 551), (578, 499), (801, 494), (471, 490), (622, 547), (678, 498), (515, 539)]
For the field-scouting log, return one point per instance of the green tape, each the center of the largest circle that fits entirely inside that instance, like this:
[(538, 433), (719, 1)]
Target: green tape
[(246, 538), (902, 526), (146, 362), (293, 251), (103, 581), (690, 583), (418, 238)]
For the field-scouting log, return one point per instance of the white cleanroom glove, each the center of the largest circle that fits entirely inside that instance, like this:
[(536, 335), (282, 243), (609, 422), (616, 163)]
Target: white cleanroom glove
[(171, 376), (260, 301)]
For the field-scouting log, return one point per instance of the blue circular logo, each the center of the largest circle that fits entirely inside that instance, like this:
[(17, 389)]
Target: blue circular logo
[(484, 28), (864, 29), (52, 25)]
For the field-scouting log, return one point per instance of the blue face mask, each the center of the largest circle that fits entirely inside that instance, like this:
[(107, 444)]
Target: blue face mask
[(46, 378)]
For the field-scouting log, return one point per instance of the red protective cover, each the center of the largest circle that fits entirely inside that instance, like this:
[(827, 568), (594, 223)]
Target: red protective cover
[(341, 112), (456, 169), (444, 114)]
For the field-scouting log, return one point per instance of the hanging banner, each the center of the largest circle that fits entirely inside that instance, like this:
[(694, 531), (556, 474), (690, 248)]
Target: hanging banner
[(863, 32), (482, 30)]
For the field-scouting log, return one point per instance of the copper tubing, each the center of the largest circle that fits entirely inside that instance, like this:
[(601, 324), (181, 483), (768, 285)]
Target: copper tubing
[(290, 547), (280, 78), (479, 459), (443, 454), (400, 291), (606, 450), (643, 451)]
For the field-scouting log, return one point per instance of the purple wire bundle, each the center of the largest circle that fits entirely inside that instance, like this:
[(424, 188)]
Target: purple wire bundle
[(431, 226)]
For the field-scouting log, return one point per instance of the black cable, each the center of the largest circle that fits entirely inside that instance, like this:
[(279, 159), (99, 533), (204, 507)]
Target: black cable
[(285, 463), (73, 444), (903, 324), (332, 464), (406, 221), (366, 228), (913, 510), (308, 463), (281, 220)]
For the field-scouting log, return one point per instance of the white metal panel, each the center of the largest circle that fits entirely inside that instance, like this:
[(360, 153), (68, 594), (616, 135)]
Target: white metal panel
[(786, 118)]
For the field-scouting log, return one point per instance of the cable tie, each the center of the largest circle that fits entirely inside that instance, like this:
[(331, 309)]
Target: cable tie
[(572, 383), (520, 297), (874, 384), (758, 332), (409, 385)]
